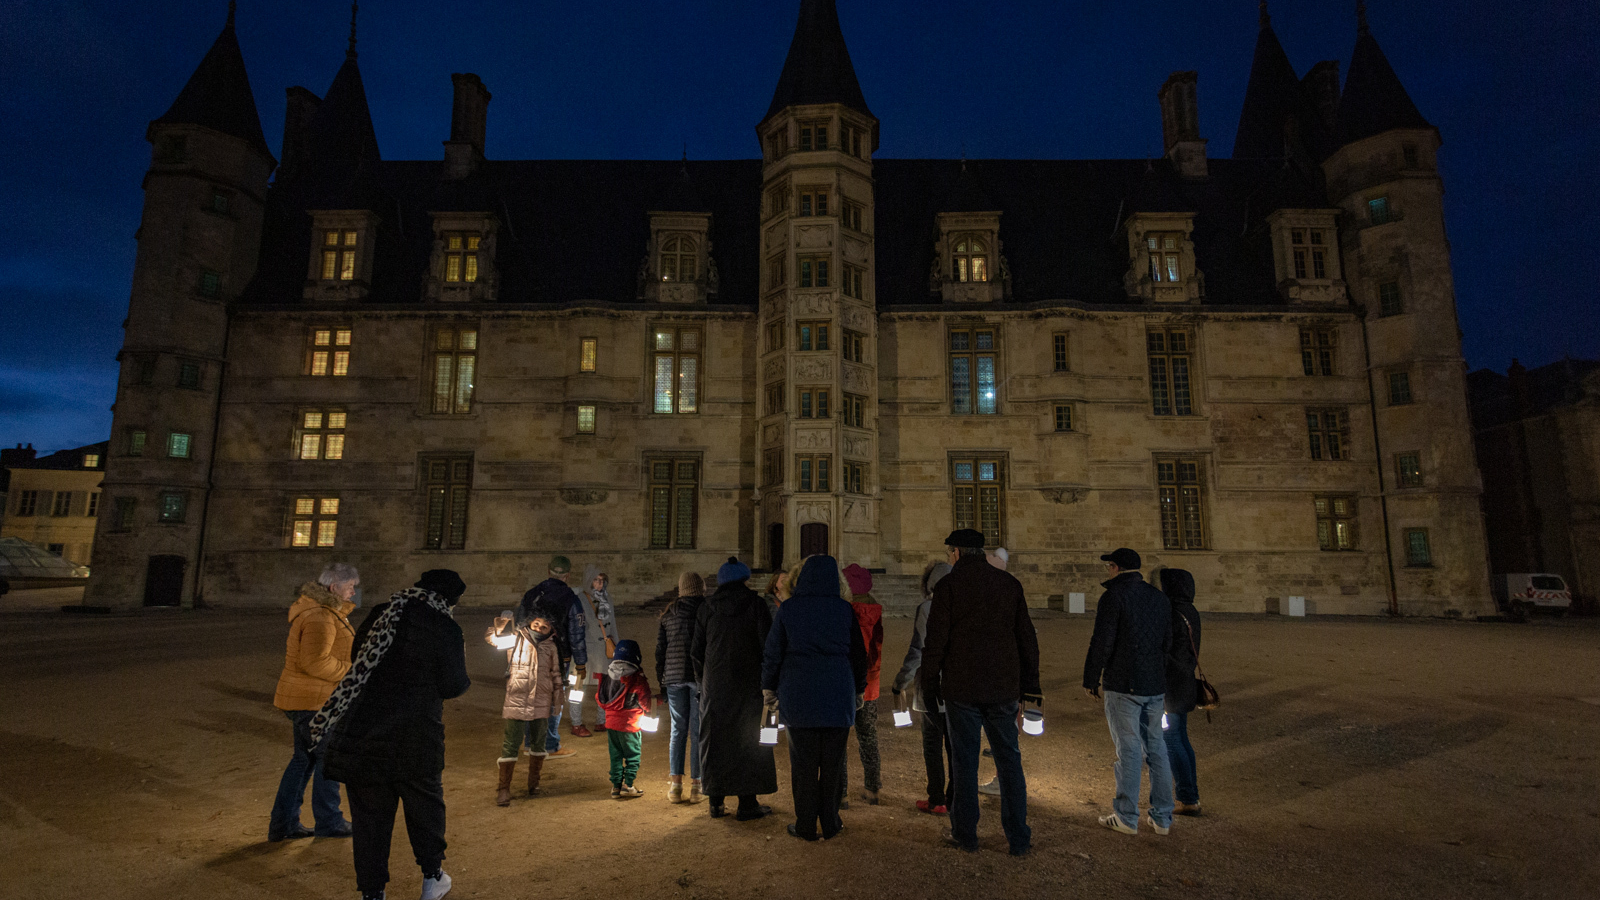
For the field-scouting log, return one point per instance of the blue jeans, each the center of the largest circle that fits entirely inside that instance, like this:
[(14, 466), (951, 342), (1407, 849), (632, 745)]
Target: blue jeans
[(1180, 754), (683, 703), (1136, 733), (998, 721), (552, 741), (292, 787)]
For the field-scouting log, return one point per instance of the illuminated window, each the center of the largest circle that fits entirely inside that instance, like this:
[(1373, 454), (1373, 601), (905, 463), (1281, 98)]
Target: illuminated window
[(461, 257), (455, 369), (586, 420), (91, 460), (1319, 351), (1063, 417), (447, 481), (970, 260), (1418, 551), (813, 202), (1171, 365), (339, 255), (977, 497), (315, 522), (1408, 469), (811, 335), (674, 490), (174, 507), (854, 410), (1336, 523), (321, 434), (1310, 253), (679, 259), (588, 354), (1058, 349), (974, 360), (676, 356), (330, 352), (813, 136), (1182, 517), (1329, 431), (814, 403), (1164, 249), (178, 445), (814, 271), (814, 474)]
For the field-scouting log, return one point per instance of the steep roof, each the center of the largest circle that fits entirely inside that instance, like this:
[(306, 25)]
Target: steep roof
[(218, 95), (343, 159), (818, 68), (1279, 116), (1374, 100), (65, 459)]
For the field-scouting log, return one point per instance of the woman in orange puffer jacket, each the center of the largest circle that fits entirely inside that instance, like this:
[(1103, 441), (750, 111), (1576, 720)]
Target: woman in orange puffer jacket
[(869, 615)]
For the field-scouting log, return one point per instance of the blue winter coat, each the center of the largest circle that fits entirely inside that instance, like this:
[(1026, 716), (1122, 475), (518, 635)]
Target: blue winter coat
[(815, 658)]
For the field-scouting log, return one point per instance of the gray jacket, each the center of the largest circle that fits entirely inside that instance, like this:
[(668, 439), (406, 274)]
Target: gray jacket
[(601, 616), (907, 676)]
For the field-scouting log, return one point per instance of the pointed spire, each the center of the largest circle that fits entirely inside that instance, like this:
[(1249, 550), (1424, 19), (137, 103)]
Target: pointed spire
[(818, 68), (1267, 97), (233, 8), (1374, 100), (218, 95), (343, 160), (355, 7), (1264, 17), (1361, 18)]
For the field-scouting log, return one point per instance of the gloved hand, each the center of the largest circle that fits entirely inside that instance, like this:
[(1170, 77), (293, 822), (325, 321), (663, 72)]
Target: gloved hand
[(1035, 699), (861, 700)]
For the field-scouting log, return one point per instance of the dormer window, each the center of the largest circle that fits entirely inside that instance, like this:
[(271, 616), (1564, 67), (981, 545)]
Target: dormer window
[(970, 259), (679, 259), (461, 257), (1164, 263), (1161, 265), (1305, 252), (1310, 254), (813, 136), (339, 255)]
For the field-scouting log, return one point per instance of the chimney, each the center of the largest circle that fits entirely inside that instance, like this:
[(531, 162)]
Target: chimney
[(297, 116), (1321, 84), (469, 122), (1180, 124), (17, 457)]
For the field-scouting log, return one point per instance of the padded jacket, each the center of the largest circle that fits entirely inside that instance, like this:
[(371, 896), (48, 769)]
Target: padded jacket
[(1132, 634), (533, 687), (318, 652), (555, 601), (624, 699), (815, 658), (869, 615), (674, 635)]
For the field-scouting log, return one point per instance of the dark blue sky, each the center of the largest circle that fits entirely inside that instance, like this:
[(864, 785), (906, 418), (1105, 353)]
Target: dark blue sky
[(1510, 86)]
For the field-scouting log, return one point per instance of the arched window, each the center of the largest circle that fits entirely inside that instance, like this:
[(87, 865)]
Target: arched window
[(678, 259), (971, 259)]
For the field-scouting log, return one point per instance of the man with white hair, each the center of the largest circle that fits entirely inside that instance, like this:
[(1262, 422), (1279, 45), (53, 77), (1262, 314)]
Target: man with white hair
[(317, 656)]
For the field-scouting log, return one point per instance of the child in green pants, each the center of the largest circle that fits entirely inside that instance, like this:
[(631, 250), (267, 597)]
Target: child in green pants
[(625, 696)]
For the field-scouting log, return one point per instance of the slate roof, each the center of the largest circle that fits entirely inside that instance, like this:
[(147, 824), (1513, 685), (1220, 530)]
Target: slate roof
[(1277, 106), (218, 96), (1374, 100), (342, 167), (818, 68), (576, 230), (63, 459)]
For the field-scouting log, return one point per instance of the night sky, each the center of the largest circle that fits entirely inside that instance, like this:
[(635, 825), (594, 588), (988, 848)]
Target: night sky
[(1511, 87)]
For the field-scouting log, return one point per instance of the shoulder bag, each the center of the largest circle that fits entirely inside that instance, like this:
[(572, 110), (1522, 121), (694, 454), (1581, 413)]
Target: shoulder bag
[(1206, 696)]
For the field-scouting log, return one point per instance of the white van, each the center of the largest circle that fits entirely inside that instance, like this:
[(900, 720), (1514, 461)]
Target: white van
[(1522, 593)]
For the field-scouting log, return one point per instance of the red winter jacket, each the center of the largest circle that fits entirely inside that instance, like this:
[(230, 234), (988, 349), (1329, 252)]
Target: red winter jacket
[(869, 615), (624, 701)]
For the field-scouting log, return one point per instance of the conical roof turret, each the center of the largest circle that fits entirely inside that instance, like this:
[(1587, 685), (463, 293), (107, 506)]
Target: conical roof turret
[(342, 169), (1374, 100), (218, 95), (818, 68)]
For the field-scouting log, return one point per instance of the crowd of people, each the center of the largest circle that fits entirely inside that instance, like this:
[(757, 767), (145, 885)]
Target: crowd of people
[(733, 668)]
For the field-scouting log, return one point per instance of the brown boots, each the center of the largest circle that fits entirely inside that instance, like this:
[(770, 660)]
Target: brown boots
[(502, 795), (535, 767)]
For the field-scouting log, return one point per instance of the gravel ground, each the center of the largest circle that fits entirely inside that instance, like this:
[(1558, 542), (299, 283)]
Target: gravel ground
[(1351, 758)]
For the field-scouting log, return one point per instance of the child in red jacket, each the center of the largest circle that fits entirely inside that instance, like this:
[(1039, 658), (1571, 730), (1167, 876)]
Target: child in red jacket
[(625, 696)]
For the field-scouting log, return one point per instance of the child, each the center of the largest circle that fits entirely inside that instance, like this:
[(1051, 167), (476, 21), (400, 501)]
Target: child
[(533, 694), (624, 694)]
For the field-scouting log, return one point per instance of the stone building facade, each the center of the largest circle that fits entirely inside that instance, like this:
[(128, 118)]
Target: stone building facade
[(475, 363), (52, 500)]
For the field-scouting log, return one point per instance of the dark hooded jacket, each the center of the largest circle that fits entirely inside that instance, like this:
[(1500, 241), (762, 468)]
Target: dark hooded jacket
[(1178, 585), (674, 634), (725, 656), (815, 657), (555, 601), (395, 727), (1132, 634), (980, 645)]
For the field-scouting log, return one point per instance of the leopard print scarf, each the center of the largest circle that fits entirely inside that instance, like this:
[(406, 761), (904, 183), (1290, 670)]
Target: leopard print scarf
[(378, 642)]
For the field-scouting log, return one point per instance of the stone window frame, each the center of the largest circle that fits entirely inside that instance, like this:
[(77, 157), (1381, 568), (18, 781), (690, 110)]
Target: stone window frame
[(138, 439), (321, 431), (814, 135), (778, 199), (324, 358), (776, 395), (772, 467), (813, 402), (1298, 237), (1418, 547), (1391, 299), (355, 258), (970, 255), (813, 201), (814, 270), (777, 330), (974, 354), (1060, 352), (1328, 433), (123, 510), (1172, 369), (853, 477), (1064, 418), (1319, 350), (61, 504), (172, 507), (683, 359), (587, 419), (853, 346), (853, 280), (1398, 388), (678, 258), (461, 264), (852, 215), (445, 480), (970, 492), (313, 521), (813, 473), (1139, 281), (1338, 522), (777, 272), (588, 354), (451, 357), (811, 335), (946, 276), (180, 441), (92, 507), (1408, 475), (680, 477), (1180, 481), (853, 410), (191, 372), (27, 504)]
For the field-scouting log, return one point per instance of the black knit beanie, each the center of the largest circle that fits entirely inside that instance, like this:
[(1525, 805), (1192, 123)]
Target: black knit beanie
[(444, 582)]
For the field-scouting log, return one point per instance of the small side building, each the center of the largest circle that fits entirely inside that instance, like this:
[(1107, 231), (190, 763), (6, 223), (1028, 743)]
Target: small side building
[(53, 500), (1538, 438)]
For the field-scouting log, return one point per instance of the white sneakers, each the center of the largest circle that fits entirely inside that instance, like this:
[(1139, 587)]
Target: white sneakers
[(1160, 829), (434, 888), (1115, 823), (992, 788)]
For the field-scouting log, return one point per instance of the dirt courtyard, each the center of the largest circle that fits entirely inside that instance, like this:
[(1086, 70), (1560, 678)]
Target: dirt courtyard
[(1350, 758)]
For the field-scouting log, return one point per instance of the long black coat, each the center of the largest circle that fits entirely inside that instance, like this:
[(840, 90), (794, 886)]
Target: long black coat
[(1182, 692), (395, 728), (729, 640)]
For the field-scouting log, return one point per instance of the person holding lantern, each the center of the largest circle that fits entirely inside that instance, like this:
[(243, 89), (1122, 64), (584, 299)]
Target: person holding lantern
[(935, 736), (624, 694), (869, 615), (533, 694), (553, 599), (730, 636), (980, 658)]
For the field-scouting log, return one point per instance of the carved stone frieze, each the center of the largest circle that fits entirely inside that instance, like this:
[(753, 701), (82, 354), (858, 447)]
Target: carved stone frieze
[(813, 305), (855, 250), (813, 439), (583, 496), (813, 370), (807, 511), (857, 447), (774, 369), (855, 318), (857, 378), (813, 237), (1067, 495), (858, 517), (771, 434)]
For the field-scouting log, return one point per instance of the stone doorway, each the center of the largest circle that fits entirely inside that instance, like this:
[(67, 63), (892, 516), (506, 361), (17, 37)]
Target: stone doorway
[(775, 546), (163, 581), (813, 539)]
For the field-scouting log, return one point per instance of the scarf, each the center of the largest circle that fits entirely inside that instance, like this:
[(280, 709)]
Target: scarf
[(377, 644)]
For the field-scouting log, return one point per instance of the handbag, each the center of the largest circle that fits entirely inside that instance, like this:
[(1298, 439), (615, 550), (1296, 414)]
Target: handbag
[(1206, 696)]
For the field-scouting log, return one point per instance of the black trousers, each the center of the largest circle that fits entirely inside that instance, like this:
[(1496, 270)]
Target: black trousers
[(372, 809), (816, 762), (936, 757)]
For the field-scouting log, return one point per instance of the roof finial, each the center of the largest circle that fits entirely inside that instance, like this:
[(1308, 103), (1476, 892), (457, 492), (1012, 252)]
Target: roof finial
[(354, 8), (233, 7), (1361, 17), (1266, 17)]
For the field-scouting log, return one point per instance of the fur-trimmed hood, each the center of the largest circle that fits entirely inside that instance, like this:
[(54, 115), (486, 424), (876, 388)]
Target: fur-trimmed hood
[(312, 594)]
